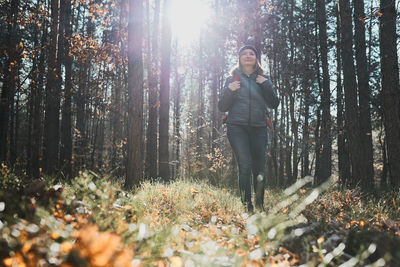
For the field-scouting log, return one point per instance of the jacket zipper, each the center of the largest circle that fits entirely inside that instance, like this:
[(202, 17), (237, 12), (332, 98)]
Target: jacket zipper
[(249, 86)]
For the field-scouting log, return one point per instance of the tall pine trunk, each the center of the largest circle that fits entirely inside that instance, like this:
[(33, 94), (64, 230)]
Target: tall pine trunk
[(153, 66), (135, 93), (164, 93), (66, 123), (37, 130), (364, 94), (343, 156), (200, 110), (350, 92), (32, 96), (292, 97), (52, 104), (306, 85), (325, 167), (10, 78), (390, 87), (120, 74), (177, 114), (79, 99)]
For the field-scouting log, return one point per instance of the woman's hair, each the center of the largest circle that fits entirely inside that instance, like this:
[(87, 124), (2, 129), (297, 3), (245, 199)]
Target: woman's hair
[(238, 66)]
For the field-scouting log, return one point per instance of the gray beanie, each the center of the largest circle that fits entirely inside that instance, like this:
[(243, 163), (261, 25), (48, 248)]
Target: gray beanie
[(248, 47)]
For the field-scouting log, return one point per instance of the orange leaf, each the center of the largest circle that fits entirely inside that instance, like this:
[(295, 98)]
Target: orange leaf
[(176, 261), (54, 235), (8, 261), (66, 246), (194, 191), (240, 252)]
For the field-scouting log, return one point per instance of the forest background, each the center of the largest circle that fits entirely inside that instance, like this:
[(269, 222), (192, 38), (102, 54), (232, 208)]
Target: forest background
[(133, 91)]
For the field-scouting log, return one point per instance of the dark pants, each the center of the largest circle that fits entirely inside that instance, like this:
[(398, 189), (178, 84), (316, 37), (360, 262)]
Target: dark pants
[(249, 146)]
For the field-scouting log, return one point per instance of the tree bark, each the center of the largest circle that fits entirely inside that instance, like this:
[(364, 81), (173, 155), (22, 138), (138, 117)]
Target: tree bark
[(364, 95), (14, 122), (200, 110), (135, 93), (390, 87), (288, 141), (10, 77), (79, 99), (66, 123), (51, 123), (164, 93), (352, 124), (343, 155), (31, 98), (37, 131), (292, 97), (117, 140), (317, 130), (325, 168), (177, 115), (153, 67)]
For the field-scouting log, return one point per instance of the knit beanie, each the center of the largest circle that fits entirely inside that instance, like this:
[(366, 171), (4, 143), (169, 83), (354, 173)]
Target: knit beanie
[(247, 47)]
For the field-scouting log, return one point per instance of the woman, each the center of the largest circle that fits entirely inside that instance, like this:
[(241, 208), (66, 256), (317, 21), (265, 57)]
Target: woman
[(246, 94)]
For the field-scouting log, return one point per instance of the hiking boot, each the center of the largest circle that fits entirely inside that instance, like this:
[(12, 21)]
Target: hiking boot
[(259, 190), (250, 208), (260, 207)]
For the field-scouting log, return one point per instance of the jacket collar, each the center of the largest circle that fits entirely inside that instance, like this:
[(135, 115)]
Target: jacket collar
[(239, 72)]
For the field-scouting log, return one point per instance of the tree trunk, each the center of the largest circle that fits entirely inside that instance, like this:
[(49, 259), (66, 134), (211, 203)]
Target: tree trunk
[(214, 108), (51, 124), (164, 93), (306, 134), (200, 111), (282, 137), (350, 92), (292, 97), (177, 115), (117, 140), (343, 156), (317, 130), (364, 95), (153, 67), (66, 123), (390, 87), (31, 99), (37, 131), (325, 167), (382, 144), (79, 99), (10, 77), (14, 123), (100, 143), (135, 93), (288, 141)]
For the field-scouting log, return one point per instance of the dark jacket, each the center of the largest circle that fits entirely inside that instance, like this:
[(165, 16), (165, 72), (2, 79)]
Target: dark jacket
[(246, 106)]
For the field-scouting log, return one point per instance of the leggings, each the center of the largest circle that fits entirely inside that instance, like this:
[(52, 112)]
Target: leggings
[(249, 147)]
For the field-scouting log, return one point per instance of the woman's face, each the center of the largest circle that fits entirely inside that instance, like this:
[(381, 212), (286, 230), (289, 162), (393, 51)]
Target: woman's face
[(248, 58)]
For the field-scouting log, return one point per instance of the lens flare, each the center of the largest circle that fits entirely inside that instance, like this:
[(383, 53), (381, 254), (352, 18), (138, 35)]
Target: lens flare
[(187, 19)]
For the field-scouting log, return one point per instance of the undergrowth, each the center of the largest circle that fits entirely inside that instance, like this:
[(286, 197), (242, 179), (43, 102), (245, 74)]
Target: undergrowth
[(91, 221)]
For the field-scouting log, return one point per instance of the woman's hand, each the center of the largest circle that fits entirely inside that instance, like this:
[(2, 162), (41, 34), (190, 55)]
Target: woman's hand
[(260, 79), (234, 86)]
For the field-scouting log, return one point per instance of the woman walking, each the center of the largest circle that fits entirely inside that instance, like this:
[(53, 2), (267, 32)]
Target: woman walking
[(246, 94)]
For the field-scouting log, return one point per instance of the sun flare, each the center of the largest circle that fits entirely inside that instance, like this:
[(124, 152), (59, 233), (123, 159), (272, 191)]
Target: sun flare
[(187, 18)]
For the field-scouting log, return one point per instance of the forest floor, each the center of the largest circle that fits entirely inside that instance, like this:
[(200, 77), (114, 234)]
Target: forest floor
[(93, 222)]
